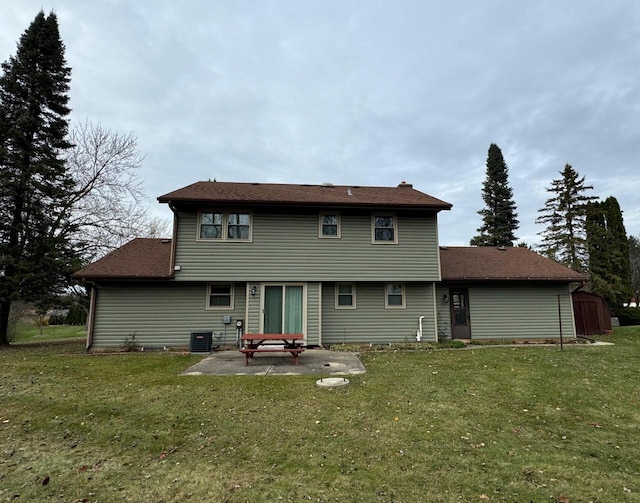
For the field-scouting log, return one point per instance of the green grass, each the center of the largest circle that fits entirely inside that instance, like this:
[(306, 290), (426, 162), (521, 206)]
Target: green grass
[(29, 332), (492, 424)]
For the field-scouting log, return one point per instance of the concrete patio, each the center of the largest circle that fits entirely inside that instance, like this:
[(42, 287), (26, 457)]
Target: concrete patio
[(312, 362)]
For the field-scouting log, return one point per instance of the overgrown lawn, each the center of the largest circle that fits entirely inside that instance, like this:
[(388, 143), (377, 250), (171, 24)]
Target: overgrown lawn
[(491, 424)]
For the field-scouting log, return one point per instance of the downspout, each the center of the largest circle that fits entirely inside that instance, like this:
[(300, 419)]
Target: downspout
[(92, 316), (419, 334), (174, 240)]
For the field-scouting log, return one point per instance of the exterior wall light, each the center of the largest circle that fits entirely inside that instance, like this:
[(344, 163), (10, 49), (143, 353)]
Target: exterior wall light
[(445, 298), (253, 291)]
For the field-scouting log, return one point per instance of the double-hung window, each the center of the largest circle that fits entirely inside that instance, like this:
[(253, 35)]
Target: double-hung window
[(211, 225), (384, 229), (329, 225), (224, 226), (219, 296), (394, 296), (345, 296), (238, 226)]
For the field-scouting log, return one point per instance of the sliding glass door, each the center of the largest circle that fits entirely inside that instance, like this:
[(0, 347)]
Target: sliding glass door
[(283, 309)]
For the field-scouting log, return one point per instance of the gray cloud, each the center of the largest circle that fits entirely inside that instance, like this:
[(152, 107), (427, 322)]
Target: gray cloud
[(363, 93)]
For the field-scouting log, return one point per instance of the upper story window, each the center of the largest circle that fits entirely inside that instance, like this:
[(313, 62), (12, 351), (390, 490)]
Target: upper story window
[(345, 296), (384, 229), (394, 296), (238, 226), (211, 225), (225, 225), (329, 225)]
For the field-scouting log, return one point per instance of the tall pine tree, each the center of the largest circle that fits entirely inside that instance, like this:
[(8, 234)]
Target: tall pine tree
[(608, 246), (634, 260), (564, 238), (499, 217), (35, 253)]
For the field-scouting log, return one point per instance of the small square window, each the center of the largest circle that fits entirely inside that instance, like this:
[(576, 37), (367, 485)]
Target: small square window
[(220, 296), (394, 295), (345, 296), (384, 229), (329, 225)]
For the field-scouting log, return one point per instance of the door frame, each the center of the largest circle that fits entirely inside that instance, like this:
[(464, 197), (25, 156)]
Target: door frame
[(466, 332), (284, 284)]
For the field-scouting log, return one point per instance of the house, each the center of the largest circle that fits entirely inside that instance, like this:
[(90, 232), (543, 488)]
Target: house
[(340, 264)]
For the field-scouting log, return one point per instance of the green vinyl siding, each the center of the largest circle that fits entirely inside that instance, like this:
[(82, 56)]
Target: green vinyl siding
[(313, 314), (287, 247), (371, 323), (513, 311), (161, 314), (443, 315)]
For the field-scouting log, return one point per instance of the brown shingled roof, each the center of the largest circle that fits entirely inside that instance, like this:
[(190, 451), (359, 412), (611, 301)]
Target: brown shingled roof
[(141, 258), (402, 196), (501, 264)]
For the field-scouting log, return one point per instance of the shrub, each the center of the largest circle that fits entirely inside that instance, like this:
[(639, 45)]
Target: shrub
[(77, 316), (629, 316), (129, 343)]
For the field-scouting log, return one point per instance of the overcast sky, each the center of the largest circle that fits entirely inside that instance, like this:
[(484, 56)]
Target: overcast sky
[(363, 93)]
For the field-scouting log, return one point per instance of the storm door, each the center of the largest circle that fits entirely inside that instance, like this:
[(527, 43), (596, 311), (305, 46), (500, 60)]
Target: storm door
[(460, 324), (283, 309)]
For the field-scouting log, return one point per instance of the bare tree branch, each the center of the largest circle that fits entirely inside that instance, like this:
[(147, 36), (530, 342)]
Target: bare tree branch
[(106, 209)]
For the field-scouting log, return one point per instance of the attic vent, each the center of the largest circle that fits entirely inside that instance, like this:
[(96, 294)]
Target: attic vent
[(327, 185)]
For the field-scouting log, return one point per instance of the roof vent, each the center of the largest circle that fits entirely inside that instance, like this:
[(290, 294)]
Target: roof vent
[(502, 248), (405, 184), (327, 185), (165, 241)]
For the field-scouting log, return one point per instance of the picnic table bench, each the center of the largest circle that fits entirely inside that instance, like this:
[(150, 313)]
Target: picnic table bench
[(270, 343)]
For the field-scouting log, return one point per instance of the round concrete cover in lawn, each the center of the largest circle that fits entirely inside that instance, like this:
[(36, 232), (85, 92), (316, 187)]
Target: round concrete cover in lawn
[(332, 382)]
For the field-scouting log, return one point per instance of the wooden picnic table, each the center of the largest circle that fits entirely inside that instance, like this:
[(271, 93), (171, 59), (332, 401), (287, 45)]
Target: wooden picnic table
[(270, 343)]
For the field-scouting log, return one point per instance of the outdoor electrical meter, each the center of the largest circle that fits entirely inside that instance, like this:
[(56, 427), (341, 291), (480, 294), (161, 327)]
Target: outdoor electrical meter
[(239, 331)]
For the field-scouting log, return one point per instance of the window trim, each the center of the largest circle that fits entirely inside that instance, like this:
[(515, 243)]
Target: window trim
[(403, 293), (337, 305), (338, 234), (373, 228), (209, 307), (225, 225)]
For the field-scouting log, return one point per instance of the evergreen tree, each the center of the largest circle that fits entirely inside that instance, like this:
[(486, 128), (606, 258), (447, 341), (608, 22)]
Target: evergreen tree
[(35, 252), (608, 247), (499, 215), (634, 261), (564, 213)]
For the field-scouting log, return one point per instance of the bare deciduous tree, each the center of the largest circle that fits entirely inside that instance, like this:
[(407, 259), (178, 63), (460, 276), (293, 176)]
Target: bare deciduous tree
[(106, 205)]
